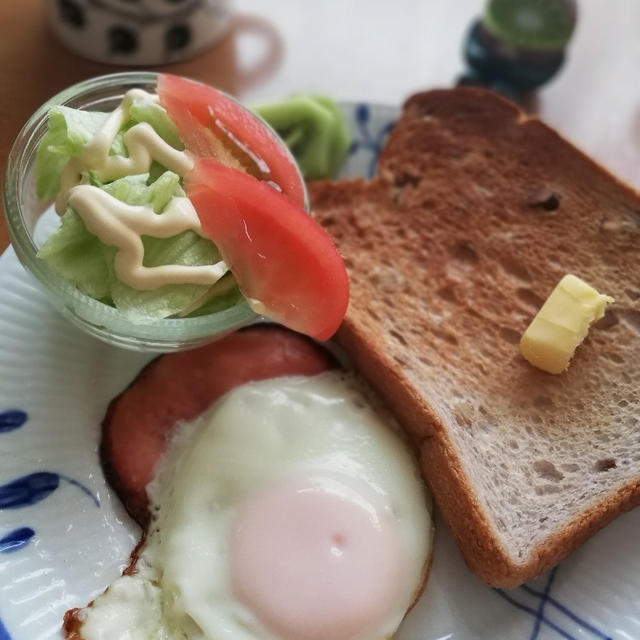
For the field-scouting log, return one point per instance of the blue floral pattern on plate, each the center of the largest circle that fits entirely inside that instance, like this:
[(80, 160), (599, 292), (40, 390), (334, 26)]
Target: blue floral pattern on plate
[(366, 139), (16, 539), (4, 634), (25, 491), (12, 419), (573, 624), (369, 126)]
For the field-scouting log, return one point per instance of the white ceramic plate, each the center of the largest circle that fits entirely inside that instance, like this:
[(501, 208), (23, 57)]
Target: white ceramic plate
[(64, 536)]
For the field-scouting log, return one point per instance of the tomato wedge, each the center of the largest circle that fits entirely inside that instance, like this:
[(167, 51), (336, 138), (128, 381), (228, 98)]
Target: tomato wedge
[(284, 261), (197, 108)]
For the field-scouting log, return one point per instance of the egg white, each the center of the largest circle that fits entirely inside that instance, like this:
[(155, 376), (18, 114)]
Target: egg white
[(321, 427)]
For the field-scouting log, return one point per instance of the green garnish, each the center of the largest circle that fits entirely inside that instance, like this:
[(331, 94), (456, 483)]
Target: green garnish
[(314, 130)]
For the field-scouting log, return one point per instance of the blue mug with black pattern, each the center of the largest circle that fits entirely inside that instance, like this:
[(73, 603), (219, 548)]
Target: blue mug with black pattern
[(138, 32)]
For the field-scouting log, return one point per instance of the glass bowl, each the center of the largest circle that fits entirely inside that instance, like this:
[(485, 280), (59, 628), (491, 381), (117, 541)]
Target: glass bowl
[(23, 210)]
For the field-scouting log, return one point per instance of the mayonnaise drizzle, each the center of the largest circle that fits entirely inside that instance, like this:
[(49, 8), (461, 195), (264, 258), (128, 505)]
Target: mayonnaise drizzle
[(121, 225)]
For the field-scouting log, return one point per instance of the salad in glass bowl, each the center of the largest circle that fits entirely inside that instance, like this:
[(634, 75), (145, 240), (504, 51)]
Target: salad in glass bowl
[(158, 213)]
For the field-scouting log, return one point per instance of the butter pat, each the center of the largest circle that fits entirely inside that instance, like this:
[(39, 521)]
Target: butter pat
[(562, 324)]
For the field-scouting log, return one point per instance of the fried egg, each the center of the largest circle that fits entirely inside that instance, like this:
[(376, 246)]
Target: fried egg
[(290, 511)]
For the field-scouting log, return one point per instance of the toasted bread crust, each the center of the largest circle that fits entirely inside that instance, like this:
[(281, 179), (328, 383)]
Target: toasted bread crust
[(438, 459), (456, 160)]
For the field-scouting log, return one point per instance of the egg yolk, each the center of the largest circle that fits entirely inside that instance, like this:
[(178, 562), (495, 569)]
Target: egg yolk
[(316, 558)]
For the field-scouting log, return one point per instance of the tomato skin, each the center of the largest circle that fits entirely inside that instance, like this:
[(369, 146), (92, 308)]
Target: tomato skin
[(278, 254), (194, 107)]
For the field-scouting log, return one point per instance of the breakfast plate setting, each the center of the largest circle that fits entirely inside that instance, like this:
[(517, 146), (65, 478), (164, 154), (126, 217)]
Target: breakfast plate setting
[(65, 536)]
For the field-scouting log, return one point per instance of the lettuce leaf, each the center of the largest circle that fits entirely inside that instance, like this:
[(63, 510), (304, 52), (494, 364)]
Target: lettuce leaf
[(187, 248), (146, 110), (81, 258), (137, 190), (223, 294), (155, 171), (69, 130), (77, 255)]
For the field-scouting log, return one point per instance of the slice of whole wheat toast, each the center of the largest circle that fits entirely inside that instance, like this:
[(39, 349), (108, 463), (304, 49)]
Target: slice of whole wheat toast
[(477, 213)]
